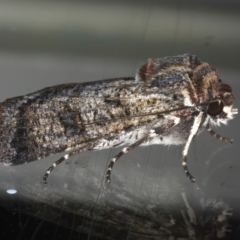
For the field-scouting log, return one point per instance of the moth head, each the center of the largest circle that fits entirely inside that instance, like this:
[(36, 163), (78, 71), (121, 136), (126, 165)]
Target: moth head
[(221, 110)]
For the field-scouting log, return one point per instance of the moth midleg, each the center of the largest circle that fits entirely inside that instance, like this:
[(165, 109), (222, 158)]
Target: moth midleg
[(190, 212), (85, 147), (193, 132), (215, 135), (124, 151), (190, 229)]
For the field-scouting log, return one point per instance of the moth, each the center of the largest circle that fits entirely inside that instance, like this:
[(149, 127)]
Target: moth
[(169, 101)]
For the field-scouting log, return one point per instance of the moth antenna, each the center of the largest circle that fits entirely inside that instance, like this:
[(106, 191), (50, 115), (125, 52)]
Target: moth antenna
[(217, 136)]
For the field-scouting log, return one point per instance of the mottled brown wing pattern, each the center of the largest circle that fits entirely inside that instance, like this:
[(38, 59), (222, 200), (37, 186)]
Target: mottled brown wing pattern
[(47, 122)]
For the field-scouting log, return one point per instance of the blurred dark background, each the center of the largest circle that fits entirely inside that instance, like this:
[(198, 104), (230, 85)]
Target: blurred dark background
[(43, 43)]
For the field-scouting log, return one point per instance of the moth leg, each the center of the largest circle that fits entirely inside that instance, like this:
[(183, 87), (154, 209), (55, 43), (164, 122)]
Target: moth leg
[(65, 157), (193, 132), (124, 151), (224, 139), (49, 170)]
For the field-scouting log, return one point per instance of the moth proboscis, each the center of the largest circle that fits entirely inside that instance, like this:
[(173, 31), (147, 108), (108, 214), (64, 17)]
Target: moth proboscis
[(169, 101)]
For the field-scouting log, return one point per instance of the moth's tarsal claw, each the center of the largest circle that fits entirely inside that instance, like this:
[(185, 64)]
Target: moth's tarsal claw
[(227, 140), (108, 177), (44, 179), (192, 179), (108, 180)]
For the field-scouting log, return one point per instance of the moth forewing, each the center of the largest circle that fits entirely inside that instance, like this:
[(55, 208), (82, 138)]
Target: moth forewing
[(169, 101)]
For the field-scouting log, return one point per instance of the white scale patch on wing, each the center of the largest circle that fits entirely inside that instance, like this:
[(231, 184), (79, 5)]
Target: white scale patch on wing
[(187, 98)]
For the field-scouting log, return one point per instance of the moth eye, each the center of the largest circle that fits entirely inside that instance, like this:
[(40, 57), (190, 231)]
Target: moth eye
[(215, 108)]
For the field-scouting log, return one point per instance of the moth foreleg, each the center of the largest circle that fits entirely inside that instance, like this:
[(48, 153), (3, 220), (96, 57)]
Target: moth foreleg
[(215, 135), (193, 132), (124, 151)]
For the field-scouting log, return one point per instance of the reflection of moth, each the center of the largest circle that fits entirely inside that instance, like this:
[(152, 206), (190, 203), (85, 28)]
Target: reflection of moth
[(168, 102), (213, 223)]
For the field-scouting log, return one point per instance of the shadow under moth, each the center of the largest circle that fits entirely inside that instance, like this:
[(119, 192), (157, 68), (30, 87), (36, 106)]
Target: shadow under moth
[(169, 101)]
